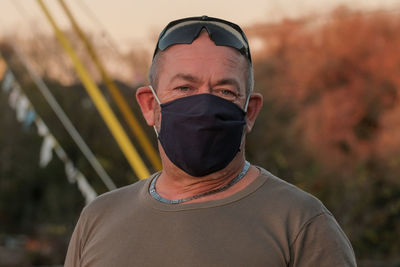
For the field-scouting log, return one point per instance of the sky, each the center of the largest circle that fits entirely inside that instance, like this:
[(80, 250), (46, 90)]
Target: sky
[(136, 22)]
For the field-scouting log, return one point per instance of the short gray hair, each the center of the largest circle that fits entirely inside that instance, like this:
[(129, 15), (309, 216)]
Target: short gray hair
[(155, 71)]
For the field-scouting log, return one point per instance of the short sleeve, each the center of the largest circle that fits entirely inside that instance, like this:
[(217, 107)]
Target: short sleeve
[(321, 242), (74, 248)]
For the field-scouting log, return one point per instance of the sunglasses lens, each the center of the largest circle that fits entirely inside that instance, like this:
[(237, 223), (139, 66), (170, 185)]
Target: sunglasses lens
[(186, 31), (222, 37), (181, 35)]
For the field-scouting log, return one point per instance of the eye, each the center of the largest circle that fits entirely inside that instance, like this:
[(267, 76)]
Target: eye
[(182, 88), (228, 92)]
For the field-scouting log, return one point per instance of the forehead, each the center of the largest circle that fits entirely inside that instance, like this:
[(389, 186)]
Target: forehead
[(204, 59)]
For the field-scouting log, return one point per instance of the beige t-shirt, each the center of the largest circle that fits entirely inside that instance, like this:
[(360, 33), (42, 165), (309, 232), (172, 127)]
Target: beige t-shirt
[(269, 223)]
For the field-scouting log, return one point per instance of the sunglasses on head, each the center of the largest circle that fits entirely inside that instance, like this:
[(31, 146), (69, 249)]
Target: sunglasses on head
[(185, 31)]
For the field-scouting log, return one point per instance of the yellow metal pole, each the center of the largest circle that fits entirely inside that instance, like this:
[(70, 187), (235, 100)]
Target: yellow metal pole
[(116, 94), (105, 111), (2, 67)]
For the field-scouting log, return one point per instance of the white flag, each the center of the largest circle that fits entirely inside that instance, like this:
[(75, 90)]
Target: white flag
[(46, 152), (21, 107), (7, 81), (85, 188), (75, 175), (70, 171), (13, 97), (42, 128)]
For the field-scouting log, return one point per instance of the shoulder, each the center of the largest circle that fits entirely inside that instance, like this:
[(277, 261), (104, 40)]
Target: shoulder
[(321, 242), (314, 234), (107, 202), (290, 197), (290, 207)]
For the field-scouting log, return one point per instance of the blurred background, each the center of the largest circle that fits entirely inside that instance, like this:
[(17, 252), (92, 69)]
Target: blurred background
[(329, 72)]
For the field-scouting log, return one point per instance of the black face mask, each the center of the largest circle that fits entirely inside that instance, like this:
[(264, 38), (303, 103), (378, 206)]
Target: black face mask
[(201, 134)]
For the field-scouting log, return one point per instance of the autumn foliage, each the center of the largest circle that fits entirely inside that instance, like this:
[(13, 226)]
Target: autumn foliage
[(342, 78)]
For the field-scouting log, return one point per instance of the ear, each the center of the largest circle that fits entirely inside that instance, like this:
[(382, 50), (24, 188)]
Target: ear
[(253, 108), (145, 99)]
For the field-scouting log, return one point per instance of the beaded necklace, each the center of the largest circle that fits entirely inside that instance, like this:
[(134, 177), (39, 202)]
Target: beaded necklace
[(154, 193)]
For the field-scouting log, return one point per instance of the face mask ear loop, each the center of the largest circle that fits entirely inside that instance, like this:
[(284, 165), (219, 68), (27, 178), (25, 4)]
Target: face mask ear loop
[(158, 101), (244, 129), (247, 103), (155, 95), (154, 127)]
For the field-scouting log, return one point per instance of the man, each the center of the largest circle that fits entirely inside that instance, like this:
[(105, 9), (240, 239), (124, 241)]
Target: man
[(208, 206)]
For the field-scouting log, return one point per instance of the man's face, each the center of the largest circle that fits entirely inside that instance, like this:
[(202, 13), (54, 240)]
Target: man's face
[(201, 67), (198, 68)]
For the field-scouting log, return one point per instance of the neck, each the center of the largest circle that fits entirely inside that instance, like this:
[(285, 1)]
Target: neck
[(174, 183)]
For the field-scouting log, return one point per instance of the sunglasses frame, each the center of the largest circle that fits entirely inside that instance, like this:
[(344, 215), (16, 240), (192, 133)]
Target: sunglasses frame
[(212, 25)]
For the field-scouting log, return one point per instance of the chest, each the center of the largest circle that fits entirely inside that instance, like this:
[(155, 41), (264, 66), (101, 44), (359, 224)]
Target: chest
[(186, 239)]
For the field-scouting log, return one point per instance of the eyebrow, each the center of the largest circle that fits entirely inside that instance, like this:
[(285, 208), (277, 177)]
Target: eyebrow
[(229, 81), (186, 77), (194, 79)]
